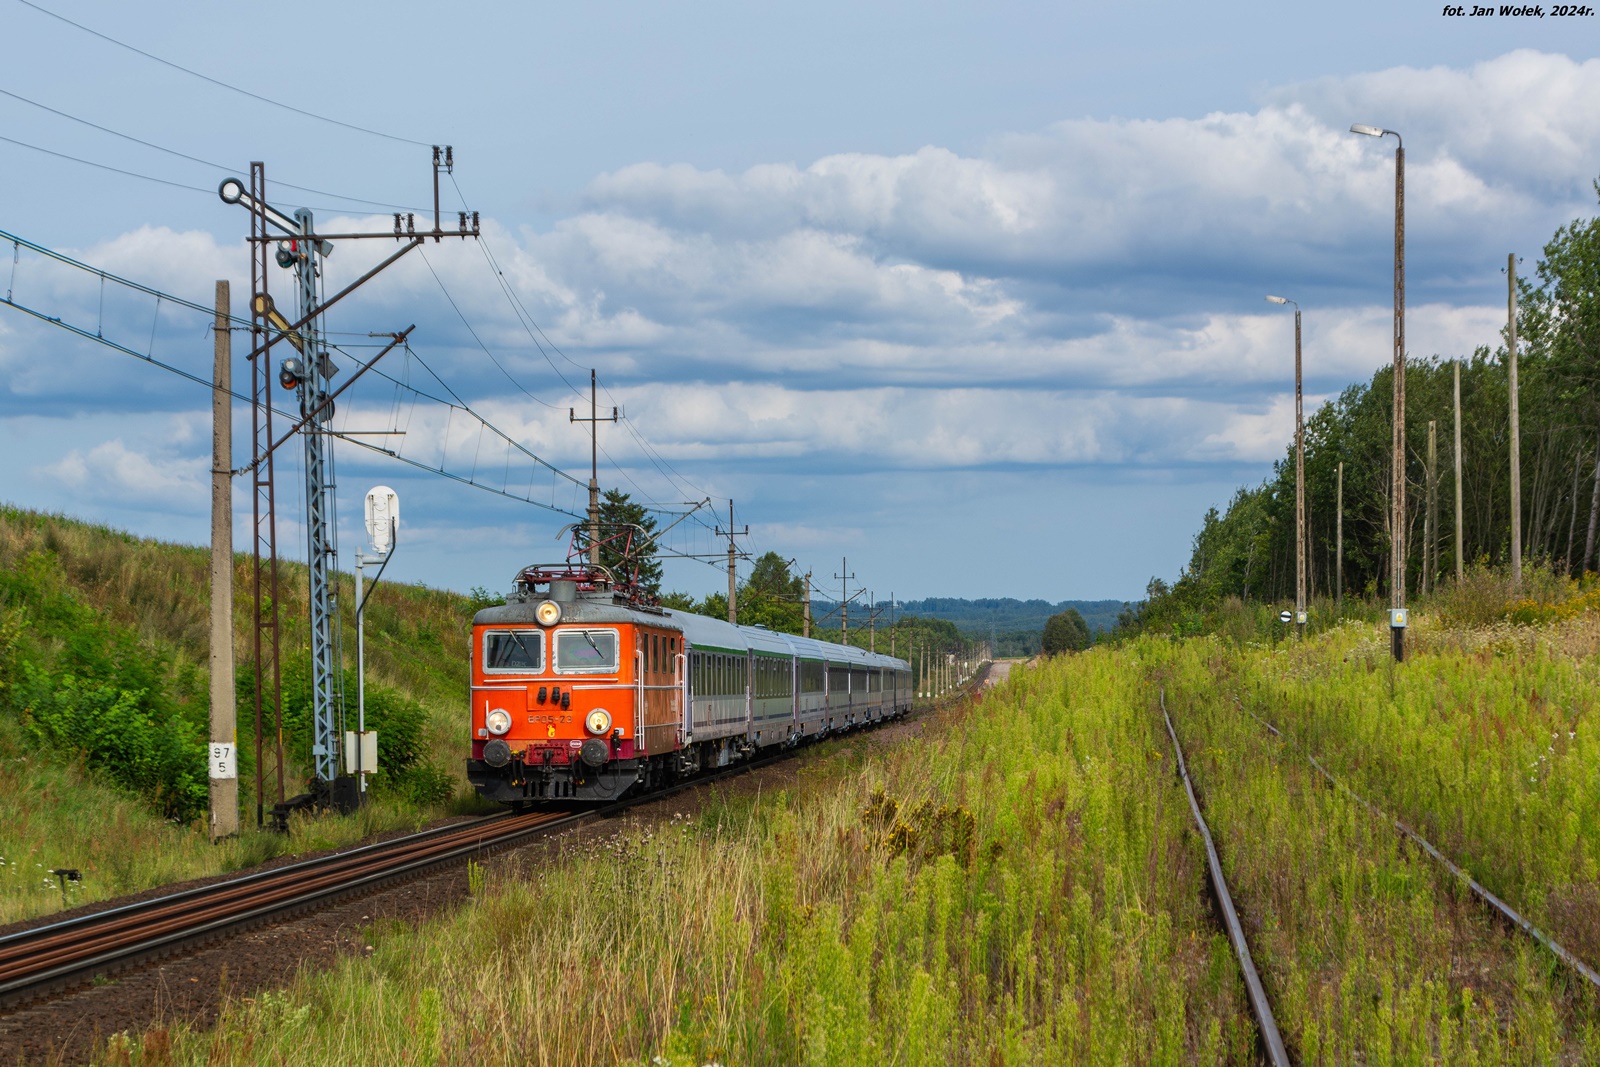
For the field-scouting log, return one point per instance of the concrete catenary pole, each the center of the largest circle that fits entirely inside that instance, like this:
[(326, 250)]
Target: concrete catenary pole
[(1460, 532), (844, 599), (1516, 431), (872, 622), (805, 624), (594, 420), (224, 767), (733, 572), (594, 474)]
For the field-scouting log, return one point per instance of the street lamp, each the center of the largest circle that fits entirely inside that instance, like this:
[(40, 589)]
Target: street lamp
[(1397, 520), (1299, 480)]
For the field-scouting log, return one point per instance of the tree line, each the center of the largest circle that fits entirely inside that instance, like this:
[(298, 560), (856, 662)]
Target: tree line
[(1248, 550)]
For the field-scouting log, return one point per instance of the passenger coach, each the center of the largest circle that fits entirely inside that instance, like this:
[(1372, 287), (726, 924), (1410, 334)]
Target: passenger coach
[(583, 693)]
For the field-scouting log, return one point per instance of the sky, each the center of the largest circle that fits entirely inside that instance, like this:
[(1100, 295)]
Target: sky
[(959, 299)]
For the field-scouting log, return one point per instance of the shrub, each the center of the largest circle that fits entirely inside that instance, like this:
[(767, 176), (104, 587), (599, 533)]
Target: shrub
[(121, 737), (399, 721), (425, 784)]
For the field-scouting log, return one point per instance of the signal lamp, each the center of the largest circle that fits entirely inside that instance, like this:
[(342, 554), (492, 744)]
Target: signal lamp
[(291, 372), (286, 255)]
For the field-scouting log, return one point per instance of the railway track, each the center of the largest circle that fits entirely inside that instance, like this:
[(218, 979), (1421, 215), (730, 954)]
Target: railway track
[(1498, 907), (51, 958), (1260, 1006)]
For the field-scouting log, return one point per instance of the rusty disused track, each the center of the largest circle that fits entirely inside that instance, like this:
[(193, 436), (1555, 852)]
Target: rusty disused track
[(1277, 1054), (50, 958), (1495, 904)]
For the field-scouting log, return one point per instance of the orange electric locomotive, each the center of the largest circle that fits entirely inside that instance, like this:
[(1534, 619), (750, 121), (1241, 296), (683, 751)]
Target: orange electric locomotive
[(583, 692)]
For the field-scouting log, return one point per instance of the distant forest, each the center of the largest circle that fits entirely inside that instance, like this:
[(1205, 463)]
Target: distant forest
[(1017, 626)]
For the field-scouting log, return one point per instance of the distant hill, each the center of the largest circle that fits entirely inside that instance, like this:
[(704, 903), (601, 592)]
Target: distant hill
[(979, 617)]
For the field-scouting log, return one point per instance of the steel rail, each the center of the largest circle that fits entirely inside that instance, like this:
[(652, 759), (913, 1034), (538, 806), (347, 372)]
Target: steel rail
[(96, 918), (46, 958), (165, 916), (1505, 910), (1259, 1006)]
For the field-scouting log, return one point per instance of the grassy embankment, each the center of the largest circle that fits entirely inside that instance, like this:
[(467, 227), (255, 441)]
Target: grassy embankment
[(861, 917), (1019, 885), (1371, 951), (104, 706)]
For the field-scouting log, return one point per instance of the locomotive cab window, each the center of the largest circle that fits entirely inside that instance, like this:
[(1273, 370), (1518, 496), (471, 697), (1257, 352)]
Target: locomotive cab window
[(513, 651), (586, 651)]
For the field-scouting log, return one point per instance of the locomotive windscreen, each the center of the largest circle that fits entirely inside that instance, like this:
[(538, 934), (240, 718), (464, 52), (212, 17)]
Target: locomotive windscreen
[(586, 650), (505, 650)]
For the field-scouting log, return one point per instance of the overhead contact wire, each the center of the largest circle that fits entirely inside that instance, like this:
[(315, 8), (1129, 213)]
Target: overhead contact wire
[(184, 155), (222, 84)]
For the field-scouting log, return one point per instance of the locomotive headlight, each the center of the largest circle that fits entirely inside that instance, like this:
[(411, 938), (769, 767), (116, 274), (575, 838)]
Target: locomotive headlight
[(498, 721), (548, 613), (598, 721)]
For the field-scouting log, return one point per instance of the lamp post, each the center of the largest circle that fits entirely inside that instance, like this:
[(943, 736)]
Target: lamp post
[(1299, 480), (1397, 521)]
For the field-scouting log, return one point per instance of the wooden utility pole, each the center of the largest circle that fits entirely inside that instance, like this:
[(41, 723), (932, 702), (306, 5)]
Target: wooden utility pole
[(1460, 533), (1516, 431), (224, 766), (1338, 543), (1430, 548)]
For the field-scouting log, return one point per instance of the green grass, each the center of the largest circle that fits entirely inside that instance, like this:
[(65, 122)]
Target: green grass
[(1020, 886), (1485, 741), (92, 620), (57, 816), (1370, 951)]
